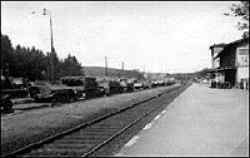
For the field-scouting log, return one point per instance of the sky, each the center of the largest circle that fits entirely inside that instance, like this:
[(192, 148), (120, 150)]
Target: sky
[(163, 36)]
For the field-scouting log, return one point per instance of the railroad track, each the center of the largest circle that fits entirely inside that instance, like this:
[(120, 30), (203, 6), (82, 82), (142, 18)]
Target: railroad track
[(85, 139)]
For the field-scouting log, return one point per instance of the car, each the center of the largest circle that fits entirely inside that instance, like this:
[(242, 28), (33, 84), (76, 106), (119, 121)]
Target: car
[(138, 85)]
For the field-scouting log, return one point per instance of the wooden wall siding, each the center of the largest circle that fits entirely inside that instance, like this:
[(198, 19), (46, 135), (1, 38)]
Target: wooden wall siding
[(228, 57)]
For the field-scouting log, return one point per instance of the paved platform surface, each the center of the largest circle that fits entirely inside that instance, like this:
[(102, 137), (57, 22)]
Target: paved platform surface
[(200, 122)]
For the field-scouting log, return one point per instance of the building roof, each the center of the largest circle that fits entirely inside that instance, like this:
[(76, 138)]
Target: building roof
[(231, 44), (217, 45), (221, 69), (240, 41)]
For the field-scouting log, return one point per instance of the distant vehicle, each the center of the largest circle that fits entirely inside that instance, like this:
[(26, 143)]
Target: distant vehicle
[(127, 85), (160, 83), (169, 81), (75, 82), (84, 86), (138, 84), (147, 84), (155, 83), (130, 85), (115, 87), (104, 84), (124, 84), (92, 88)]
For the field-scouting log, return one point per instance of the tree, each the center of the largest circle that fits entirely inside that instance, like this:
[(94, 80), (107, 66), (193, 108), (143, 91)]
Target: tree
[(241, 10), (33, 64), (70, 67), (6, 54)]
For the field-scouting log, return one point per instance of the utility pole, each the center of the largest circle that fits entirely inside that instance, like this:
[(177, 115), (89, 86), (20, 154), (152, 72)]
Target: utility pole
[(52, 49), (121, 73), (51, 71), (122, 66), (106, 66), (144, 71)]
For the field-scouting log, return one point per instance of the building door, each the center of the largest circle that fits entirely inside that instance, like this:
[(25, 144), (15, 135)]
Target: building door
[(230, 76)]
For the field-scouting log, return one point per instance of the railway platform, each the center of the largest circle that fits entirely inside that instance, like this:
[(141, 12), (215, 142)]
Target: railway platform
[(200, 122)]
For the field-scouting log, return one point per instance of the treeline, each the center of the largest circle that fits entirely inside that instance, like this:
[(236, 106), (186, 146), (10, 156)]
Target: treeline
[(33, 63), (98, 71), (204, 73)]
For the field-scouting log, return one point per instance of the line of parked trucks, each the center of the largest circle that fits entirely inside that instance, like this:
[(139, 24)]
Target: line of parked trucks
[(73, 88)]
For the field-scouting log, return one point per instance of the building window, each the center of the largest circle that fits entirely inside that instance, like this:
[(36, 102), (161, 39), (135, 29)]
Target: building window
[(217, 63), (243, 57)]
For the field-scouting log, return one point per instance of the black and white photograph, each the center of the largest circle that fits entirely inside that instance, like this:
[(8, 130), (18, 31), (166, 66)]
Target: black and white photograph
[(124, 79)]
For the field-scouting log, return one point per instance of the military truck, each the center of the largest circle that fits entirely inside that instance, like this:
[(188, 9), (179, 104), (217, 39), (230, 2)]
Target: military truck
[(75, 82), (13, 90), (43, 91), (71, 88), (127, 85), (110, 86), (92, 88)]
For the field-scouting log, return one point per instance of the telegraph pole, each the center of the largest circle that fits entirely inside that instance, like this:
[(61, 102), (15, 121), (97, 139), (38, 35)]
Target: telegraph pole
[(52, 49), (51, 71), (121, 73), (52, 52), (122, 66)]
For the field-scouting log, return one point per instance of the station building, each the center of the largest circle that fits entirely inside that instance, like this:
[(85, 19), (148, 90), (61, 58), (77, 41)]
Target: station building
[(230, 63)]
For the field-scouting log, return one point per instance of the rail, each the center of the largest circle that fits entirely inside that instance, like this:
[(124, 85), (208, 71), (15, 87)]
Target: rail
[(125, 113)]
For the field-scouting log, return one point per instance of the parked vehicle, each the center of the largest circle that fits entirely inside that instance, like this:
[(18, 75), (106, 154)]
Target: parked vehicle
[(92, 89), (147, 84), (124, 84), (115, 87), (155, 83), (19, 83), (160, 83), (104, 84), (71, 89), (75, 82), (169, 81), (127, 85), (44, 91), (12, 89), (130, 85), (138, 84), (6, 103)]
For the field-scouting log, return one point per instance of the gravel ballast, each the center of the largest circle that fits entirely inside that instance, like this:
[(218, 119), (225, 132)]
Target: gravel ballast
[(28, 127)]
